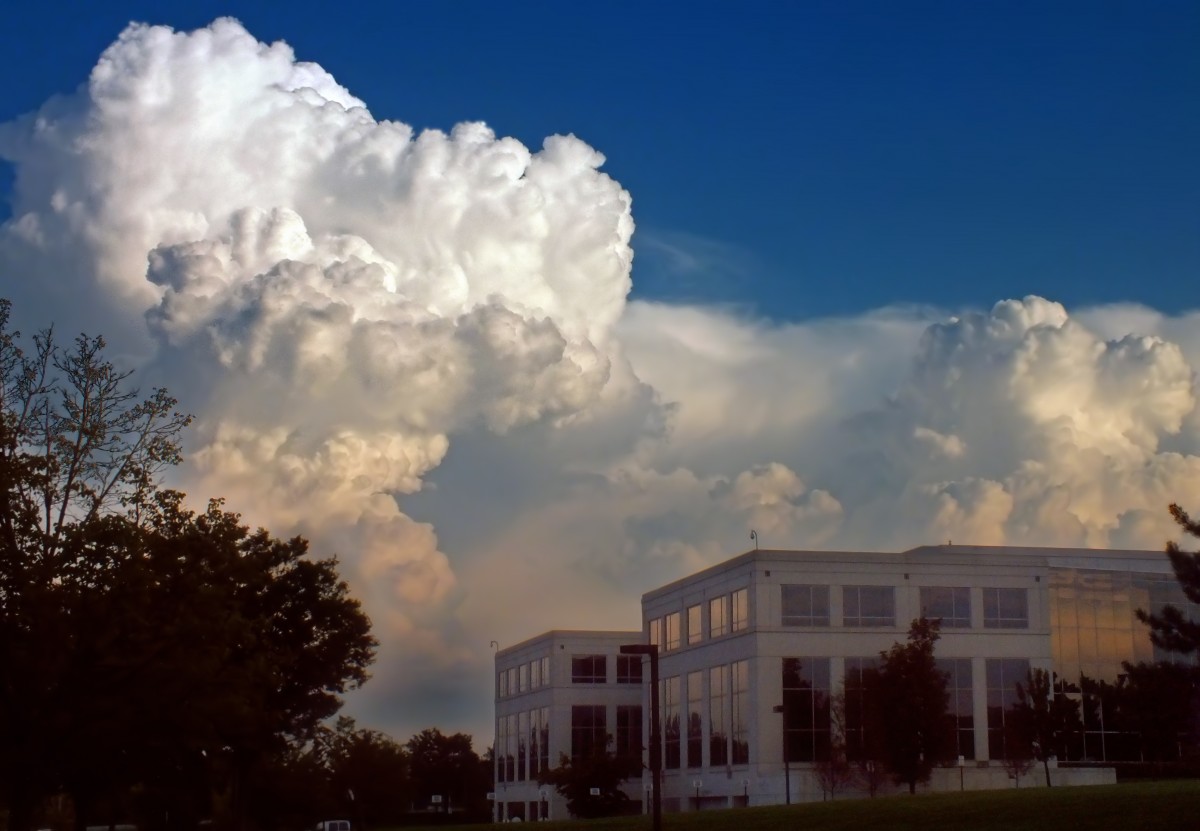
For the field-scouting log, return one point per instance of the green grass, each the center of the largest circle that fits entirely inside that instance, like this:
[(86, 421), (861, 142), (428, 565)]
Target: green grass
[(1141, 806)]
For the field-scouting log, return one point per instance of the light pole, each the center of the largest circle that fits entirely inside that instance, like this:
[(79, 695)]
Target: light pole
[(651, 649), (787, 774), (962, 766), (696, 783)]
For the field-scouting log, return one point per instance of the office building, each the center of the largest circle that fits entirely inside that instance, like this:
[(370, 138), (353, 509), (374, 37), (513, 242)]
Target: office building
[(752, 649)]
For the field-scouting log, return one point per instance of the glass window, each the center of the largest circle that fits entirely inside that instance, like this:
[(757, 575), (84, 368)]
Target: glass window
[(805, 720), (544, 738), (629, 669), (1005, 608), (858, 683), (718, 616), (501, 744), (960, 705), (522, 747), (629, 731), (535, 674), (952, 605), (695, 628), (805, 605), (740, 600), (503, 676), (1003, 675), (695, 734), (868, 606), (740, 711), (589, 732), (512, 680), (672, 633), (546, 670), (534, 730), (656, 632), (589, 669), (670, 721), (510, 755), (718, 700), (523, 678)]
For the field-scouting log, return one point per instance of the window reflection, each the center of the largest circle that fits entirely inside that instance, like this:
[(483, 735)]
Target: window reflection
[(806, 691), (950, 604), (804, 605), (1005, 608), (868, 606)]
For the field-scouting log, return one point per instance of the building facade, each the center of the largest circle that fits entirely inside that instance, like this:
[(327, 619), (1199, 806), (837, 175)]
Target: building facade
[(562, 694), (752, 650)]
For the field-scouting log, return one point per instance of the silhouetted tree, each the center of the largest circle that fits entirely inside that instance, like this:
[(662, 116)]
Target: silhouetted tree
[(1172, 629), (372, 767), (601, 769), (142, 643), (913, 696), (1047, 721), (835, 771), (447, 766)]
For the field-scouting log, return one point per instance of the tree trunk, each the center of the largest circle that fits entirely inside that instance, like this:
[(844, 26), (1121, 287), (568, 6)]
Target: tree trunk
[(1046, 767)]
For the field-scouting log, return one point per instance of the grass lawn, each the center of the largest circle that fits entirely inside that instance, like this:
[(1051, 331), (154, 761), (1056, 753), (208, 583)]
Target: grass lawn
[(1171, 805)]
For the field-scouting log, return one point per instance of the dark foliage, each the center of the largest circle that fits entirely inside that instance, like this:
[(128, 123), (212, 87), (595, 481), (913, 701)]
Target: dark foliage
[(602, 770), (148, 654), (1045, 722), (447, 766), (1171, 629), (912, 695)]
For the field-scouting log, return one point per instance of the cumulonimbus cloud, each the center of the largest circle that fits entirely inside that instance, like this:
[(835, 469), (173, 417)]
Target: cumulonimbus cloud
[(416, 349)]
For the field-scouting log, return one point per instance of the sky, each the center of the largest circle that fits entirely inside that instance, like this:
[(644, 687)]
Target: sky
[(524, 310)]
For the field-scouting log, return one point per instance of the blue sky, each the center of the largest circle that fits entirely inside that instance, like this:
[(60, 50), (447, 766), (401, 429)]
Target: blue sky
[(797, 160), (417, 350)]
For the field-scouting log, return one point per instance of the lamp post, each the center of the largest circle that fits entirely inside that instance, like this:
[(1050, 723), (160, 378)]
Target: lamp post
[(651, 649), (962, 766), (696, 783), (787, 774)]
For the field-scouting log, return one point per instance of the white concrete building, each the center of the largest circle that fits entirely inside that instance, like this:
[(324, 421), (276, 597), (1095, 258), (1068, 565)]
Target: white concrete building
[(785, 629), (559, 694)]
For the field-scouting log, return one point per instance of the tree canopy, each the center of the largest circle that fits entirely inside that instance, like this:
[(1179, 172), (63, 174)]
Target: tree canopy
[(603, 770), (1045, 720), (142, 643), (913, 692), (1171, 629)]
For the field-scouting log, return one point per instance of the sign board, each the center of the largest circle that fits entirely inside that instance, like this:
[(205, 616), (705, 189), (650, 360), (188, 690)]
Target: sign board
[(595, 791), (491, 795), (436, 799)]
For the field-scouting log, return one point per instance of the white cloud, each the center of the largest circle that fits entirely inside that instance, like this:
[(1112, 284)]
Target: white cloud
[(416, 350)]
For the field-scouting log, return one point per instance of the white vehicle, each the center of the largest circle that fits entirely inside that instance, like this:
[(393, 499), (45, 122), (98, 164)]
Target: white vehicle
[(333, 825)]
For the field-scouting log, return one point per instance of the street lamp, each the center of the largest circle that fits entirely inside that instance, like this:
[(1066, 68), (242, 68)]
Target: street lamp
[(696, 783), (651, 649), (787, 774)]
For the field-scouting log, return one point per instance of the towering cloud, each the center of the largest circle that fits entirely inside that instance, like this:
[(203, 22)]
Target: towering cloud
[(415, 348)]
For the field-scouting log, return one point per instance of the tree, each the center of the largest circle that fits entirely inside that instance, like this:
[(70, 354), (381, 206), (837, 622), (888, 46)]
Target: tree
[(103, 683), (372, 767), (1047, 721), (913, 694), (1171, 629), (835, 772), (1161, 703), (447, 766), (77, 449), (601, 770)]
